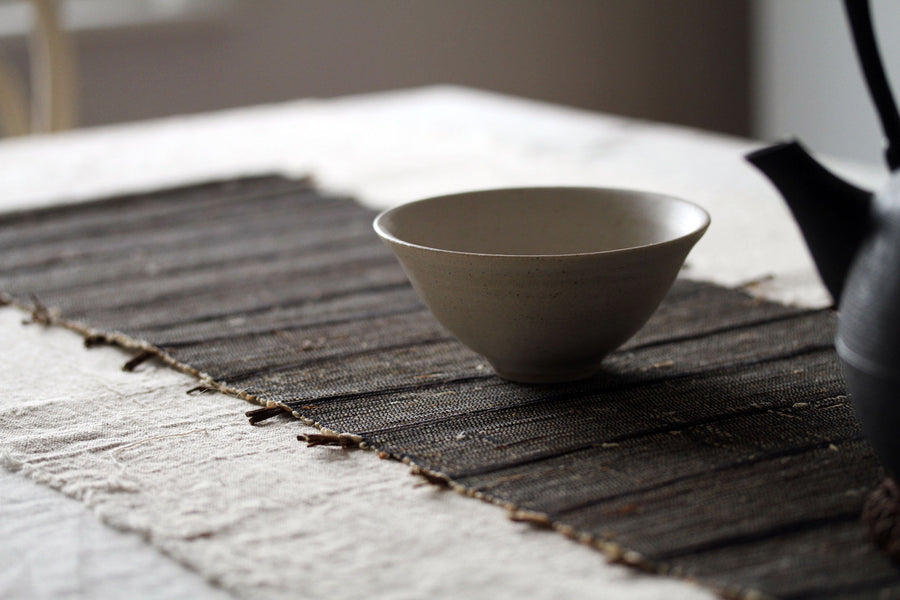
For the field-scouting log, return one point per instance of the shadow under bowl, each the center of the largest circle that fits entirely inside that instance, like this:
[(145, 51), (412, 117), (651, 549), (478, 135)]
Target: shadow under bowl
[(543, 282)]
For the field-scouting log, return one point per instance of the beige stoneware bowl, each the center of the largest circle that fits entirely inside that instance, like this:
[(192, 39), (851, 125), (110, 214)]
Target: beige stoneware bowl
[(543, 282)]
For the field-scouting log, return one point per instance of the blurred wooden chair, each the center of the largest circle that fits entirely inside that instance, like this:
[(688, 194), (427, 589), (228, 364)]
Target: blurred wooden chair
[(53, 105)]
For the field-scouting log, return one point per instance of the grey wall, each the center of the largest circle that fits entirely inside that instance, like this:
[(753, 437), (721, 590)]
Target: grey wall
[(683, 61), (806, 79)]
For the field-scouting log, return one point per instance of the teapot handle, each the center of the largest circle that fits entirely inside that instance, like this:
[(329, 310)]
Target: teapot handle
[(860, 18)]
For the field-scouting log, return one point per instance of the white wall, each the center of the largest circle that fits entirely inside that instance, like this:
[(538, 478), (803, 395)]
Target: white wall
[(807, 82)]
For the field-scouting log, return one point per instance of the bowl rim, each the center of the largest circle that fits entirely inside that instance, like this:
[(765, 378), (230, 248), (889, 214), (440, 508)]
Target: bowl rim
[(696, 232)]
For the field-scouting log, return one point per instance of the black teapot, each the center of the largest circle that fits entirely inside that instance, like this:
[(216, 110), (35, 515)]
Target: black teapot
[(854, 237)]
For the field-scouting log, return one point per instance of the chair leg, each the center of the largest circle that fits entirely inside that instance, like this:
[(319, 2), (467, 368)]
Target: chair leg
[(52, 71)]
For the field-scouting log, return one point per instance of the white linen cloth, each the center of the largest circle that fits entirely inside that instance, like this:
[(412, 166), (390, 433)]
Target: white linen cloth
[(247, 510)]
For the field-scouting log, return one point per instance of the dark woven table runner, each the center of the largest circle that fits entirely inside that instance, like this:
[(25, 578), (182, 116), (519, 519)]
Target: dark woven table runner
[(718, 445)]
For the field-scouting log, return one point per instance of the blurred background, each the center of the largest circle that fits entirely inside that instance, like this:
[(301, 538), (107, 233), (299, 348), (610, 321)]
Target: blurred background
[(763, 68)]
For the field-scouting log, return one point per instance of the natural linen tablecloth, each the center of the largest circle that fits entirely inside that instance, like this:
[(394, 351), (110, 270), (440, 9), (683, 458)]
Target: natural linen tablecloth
[(675, 460)]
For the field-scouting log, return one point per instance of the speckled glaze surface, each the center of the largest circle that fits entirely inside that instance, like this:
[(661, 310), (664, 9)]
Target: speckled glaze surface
[(543, 282)]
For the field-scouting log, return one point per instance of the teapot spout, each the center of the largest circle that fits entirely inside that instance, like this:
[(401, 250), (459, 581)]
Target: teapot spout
[(832, 213)]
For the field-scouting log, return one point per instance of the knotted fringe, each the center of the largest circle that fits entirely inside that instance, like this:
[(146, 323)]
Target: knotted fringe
[(40, 314), (141, 357), (261, 414), (881, 517), (432, 478), (92, 341), (344, 440)]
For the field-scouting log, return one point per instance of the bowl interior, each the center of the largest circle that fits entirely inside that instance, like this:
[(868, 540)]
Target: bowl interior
[(542, 221)]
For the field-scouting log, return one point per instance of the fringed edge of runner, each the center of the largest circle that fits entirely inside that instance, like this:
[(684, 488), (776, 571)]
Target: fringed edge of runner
[(614, 552)]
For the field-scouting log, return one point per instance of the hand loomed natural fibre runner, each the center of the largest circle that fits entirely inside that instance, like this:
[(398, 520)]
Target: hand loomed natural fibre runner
[(718, 445)]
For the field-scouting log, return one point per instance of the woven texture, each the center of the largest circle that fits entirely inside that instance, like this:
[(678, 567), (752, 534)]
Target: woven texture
[(718, 444)]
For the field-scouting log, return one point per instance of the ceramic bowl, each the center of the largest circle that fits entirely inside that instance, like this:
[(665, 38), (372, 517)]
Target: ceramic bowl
[(543, 282)]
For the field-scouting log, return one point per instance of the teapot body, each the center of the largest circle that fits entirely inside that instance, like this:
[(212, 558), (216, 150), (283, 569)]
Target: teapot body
[(868, 338)]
